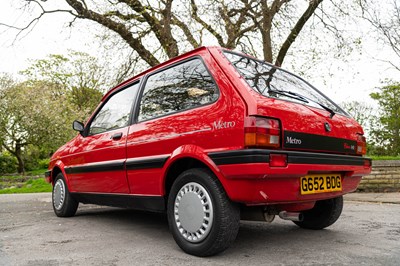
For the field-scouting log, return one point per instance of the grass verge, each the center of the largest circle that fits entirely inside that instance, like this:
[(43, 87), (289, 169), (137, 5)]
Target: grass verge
[(374, 157), (31, 182), (30, 186)]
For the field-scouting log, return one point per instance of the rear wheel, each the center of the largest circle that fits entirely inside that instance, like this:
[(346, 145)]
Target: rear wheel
[(64, 204), (201, 217), (324, 214)]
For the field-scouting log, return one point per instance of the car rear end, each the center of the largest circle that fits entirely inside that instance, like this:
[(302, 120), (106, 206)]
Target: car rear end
[(299, 146)]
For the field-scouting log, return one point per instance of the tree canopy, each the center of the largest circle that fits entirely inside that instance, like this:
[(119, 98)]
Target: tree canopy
[(158, 30), (39, 111), (387, 133)]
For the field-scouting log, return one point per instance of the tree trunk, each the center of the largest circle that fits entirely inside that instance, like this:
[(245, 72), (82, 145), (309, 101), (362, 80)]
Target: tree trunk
[(18, 154)]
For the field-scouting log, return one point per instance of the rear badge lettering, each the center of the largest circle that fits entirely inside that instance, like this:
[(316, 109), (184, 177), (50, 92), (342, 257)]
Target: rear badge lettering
[(293, 140), (221, 125), (348, 147)]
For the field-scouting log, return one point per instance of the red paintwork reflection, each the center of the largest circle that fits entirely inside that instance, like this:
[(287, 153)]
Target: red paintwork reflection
[(163, 136), (194, 133), (99, 148)]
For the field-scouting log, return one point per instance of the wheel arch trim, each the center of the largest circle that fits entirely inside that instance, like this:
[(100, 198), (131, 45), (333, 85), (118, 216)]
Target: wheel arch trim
[(190, 152), (59, 167)]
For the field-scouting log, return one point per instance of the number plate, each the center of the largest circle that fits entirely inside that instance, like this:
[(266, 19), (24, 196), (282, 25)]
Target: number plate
[(311, 184)]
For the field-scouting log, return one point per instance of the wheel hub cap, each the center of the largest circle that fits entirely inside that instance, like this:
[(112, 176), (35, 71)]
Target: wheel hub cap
[(58, 194), (193, 212)]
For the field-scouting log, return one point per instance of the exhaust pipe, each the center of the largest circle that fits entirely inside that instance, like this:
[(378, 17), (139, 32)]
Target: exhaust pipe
[(291, 216)]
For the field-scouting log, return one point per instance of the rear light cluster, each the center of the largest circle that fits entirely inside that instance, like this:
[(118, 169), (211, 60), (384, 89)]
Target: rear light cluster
[(262, 132), (361, 145)]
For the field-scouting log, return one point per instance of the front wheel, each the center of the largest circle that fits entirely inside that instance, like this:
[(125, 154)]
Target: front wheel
[(64, 204), (324, 214), (201, 217)]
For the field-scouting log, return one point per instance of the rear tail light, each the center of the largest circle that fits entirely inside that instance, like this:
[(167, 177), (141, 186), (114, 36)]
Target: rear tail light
[(361, 145), (367, 163), (262, 132)]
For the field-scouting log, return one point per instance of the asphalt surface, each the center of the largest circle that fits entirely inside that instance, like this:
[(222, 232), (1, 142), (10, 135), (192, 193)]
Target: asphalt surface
[(368, 233)]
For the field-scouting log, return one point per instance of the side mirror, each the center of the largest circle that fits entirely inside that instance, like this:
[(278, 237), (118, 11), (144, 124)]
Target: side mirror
[(78, 126)]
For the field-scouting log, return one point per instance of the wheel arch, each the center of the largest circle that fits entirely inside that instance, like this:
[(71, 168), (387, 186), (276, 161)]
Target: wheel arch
[(59, 168), (185, 158)]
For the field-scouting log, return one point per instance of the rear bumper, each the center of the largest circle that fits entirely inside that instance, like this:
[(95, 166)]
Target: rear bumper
[(249, 178)]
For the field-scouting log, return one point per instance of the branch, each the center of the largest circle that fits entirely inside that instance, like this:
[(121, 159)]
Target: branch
[(161, 29), (125, 17), (393, 41), (35, 20), (205, 25), (8, 149), (277, 4), (119, 28), (186, 31), (296, 30)]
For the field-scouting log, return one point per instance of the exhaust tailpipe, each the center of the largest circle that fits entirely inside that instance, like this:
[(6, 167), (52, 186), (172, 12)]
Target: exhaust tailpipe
[(291, 216)]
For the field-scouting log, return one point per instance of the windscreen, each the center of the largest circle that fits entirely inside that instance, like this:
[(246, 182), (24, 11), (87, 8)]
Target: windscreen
[(274, 82)]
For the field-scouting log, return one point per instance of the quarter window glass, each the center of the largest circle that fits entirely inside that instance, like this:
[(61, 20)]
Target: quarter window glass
[(177, 88), (115, 112)]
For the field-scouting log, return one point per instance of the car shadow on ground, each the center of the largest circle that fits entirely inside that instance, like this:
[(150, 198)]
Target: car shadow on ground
[(254, 238)]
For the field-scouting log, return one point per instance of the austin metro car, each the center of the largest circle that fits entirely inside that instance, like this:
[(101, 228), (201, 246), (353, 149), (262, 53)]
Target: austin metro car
[(209, 138)]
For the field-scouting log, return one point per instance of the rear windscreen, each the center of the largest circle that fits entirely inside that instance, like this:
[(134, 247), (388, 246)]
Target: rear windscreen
[(274, 82)]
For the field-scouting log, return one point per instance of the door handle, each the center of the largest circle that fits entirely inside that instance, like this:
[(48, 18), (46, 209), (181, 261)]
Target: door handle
[(117, 136)]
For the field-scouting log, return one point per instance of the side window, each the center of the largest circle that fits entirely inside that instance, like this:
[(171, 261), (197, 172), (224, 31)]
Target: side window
[(181, 87), (115, 112)]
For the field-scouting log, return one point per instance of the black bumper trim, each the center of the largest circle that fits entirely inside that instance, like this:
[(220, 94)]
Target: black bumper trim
[(47, 173), (294, 157), (240, 156)]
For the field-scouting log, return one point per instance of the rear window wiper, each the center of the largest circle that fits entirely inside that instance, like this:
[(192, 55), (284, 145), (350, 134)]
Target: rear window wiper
[(288, 94), (302, 98)]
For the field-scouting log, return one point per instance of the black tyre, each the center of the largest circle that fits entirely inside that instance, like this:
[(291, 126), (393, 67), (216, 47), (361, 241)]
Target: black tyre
[(64, 205), (201, 217), (324, 214)]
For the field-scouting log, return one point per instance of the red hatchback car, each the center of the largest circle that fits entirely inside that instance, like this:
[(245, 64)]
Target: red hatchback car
[(212, 137)]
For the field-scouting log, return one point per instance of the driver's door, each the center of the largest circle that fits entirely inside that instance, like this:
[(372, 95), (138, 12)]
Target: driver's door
[(97, 164)]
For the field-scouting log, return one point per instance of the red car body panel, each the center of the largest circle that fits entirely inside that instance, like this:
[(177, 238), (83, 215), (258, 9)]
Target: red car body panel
[(138, 163)]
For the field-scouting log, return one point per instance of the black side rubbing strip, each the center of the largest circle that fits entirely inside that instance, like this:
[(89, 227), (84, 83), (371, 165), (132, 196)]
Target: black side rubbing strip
[(118, 165), (98, 167), (295, 157), (132, 164)]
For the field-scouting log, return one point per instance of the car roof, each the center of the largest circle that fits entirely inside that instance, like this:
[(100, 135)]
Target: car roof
[(161, 65)]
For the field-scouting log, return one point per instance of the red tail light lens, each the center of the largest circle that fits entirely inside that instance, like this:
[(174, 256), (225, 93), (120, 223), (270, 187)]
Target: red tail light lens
[(262, 132), (361, 145)]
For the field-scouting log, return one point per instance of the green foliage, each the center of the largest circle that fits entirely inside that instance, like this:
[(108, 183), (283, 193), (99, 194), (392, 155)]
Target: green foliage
[(77, 74), (8, 163), (33, 113), (37, 172), (380, 157), (85, 98), (360, 111), (43, 163), (386, 130), (36, 115)]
